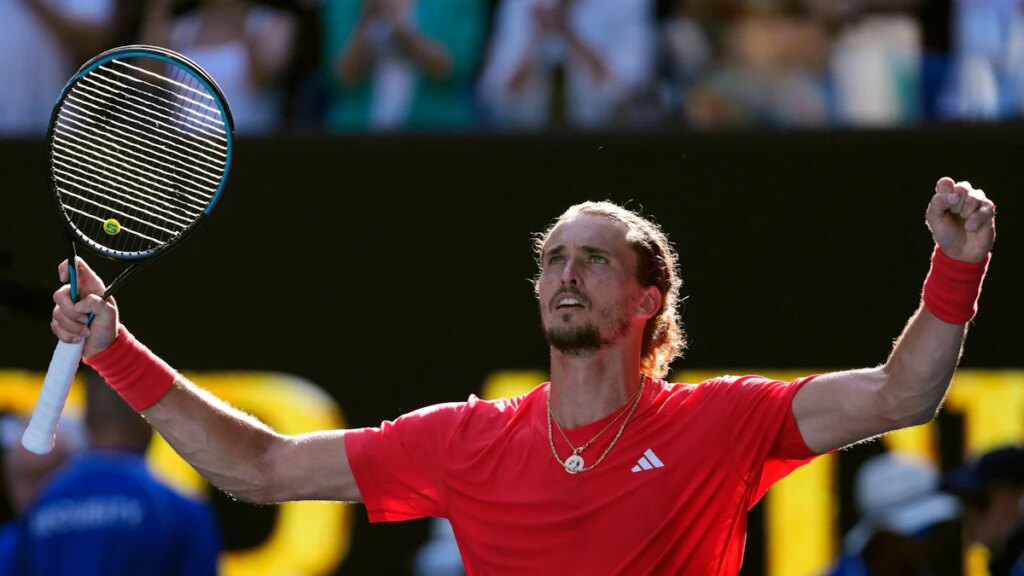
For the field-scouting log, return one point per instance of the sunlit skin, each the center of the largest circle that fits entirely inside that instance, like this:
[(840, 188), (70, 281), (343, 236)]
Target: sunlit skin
[(588, 280)]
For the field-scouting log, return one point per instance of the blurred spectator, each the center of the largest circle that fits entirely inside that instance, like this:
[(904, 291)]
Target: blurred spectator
[(395, 64), (989, 62), (876, 66), (24, 474), (992, 489), (906, 528), (246, 47), (687, 51), (41, 43), (305, 93), (773, 71), (107, 515), (586, 63)]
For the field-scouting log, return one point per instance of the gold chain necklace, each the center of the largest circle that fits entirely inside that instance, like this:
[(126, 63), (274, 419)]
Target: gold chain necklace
[(574, 464)]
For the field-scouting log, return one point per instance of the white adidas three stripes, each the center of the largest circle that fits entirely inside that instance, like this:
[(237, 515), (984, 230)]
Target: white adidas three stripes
[(647, 462)]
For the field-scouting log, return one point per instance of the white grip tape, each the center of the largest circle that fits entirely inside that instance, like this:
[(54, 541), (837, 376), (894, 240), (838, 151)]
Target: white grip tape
[(39, 435)]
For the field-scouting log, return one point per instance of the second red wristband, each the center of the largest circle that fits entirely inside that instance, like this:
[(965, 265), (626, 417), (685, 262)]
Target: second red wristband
[(952, 287), (133, 371)]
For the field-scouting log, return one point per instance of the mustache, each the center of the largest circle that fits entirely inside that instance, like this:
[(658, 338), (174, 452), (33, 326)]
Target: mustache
[(569, 291)]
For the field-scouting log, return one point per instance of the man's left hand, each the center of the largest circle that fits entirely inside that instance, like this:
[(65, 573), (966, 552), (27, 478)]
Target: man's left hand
[(962, 220)]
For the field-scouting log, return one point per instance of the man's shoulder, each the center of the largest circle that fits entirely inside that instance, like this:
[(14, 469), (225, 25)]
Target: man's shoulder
[(727, 383), (505, 408), (725, 389), (481, 418)]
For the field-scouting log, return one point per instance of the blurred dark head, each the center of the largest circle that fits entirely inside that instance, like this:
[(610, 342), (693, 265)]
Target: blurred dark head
[(992, 489), (1000, 467), (111, 423)]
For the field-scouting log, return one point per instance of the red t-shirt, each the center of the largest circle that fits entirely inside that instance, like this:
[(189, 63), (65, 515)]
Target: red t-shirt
[(671, 497)]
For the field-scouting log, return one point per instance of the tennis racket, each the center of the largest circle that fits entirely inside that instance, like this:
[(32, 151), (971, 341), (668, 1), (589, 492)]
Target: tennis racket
[(140, 145)]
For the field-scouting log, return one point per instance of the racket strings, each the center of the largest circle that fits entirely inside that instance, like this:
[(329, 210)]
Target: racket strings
[(127, 114), (135, 105), (85, 143), (137, 155), (134, 138), (208, 117)]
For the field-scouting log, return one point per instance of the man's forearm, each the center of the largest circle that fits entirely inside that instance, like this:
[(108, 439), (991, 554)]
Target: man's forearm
[(838, 409), (920, 368), (233, 450), (228, 447), (922, 363)]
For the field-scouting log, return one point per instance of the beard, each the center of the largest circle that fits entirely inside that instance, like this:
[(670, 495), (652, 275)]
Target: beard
[(585, 339), (578, 341)]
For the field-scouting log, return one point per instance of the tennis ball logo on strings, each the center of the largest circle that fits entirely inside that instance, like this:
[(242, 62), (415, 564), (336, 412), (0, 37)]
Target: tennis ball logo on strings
[(112, 227)]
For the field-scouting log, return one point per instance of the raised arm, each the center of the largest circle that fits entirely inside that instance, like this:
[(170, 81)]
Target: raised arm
[(233, 450), (838, 409)]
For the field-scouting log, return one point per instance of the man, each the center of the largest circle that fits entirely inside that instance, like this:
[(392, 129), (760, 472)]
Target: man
[(23, 475), (105, 514), (607, 469), (992, 489)]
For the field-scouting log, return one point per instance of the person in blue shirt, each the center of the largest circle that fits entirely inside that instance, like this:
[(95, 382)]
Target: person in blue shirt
[(23, 476), (106, 514)]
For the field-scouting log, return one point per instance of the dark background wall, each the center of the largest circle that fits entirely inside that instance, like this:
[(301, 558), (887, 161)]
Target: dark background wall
[(395, 271)]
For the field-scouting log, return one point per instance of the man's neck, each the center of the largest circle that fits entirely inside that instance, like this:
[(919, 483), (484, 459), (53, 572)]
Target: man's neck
[(586, 389)]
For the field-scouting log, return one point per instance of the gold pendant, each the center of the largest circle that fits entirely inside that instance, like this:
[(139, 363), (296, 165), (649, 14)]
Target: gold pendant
[(574, 464)]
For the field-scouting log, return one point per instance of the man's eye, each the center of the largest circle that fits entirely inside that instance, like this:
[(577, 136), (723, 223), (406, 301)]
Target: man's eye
[(556, 259), (598, 259)]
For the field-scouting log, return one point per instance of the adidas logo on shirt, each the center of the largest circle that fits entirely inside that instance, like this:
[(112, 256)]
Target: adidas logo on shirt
[(647, 462)]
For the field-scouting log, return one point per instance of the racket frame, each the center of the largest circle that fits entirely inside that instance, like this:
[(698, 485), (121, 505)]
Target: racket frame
[(72, 234)]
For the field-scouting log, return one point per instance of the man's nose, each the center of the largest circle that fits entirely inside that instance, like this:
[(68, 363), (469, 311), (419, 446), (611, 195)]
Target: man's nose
[(570, 273)]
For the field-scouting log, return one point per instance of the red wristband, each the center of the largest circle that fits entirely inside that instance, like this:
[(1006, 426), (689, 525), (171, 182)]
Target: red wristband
[(138, 375), (952, 287)]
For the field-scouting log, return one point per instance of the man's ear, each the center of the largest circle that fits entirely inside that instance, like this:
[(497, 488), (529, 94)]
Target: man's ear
[(650, 302)]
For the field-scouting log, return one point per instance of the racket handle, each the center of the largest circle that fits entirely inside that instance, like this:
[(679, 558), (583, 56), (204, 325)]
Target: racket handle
[(39, 436)]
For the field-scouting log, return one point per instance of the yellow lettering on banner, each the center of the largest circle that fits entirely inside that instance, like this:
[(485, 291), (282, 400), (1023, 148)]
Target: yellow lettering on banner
[(992, 402), (308, 538), (19, 390), (917, 442)]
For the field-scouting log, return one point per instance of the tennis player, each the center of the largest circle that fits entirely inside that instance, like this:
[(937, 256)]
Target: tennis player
[(607, 469)]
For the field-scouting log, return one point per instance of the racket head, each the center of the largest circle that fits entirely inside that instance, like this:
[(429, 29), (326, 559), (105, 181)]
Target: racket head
[(140, 140)]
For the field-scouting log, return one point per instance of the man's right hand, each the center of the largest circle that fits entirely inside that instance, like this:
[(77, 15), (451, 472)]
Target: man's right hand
[(70, 318)]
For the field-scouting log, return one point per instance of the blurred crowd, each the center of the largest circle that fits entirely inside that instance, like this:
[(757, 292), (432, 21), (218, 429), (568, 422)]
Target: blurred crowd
[(524, 65)]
